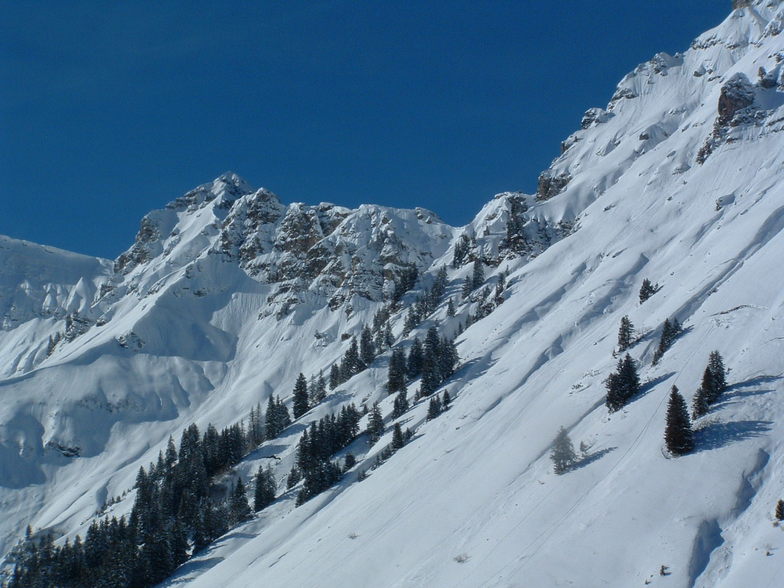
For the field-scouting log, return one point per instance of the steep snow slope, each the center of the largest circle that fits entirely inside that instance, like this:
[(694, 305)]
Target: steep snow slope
[(38, 286), (228, 294), (472, 501)]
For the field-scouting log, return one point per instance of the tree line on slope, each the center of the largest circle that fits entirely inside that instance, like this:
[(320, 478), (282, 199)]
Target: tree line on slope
[(180, 506)]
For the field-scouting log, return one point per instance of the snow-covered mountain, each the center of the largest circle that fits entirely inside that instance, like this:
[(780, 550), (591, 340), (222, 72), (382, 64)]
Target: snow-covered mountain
[(227, 294)]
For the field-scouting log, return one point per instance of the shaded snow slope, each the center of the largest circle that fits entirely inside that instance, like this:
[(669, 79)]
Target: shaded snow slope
[(228, 294)]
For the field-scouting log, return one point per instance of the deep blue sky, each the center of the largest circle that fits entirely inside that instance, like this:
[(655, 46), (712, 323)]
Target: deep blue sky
[(110, 109)]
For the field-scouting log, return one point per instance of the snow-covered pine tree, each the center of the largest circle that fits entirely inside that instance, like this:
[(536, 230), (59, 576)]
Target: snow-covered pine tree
[(400, 404), (321, 388), (708, 388), (293, 478), (397, 437), (266, 487), (468, 287), (375, 426), (367, 349), (678, 434), (562, 452), (414, 362), (239, 509), (446, 400), (460, 251), (300, 405), (171, 452), (477, 274), (625, 334), (779, 510), (450, 308), (700, 404), (630, 380), (647, 290), (716, 366), (352, 364), (396, 376), (431, 372), (670, 331), (434, 408), (622, 384), (412, 320), (334, 376)]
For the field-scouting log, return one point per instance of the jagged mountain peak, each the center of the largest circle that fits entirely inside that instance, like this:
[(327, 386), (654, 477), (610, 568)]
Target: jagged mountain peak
[(231, 294)]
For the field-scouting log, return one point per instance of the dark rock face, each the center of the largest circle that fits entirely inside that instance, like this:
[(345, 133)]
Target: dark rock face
[(594, 115), (139, 253), (735, 108), (736, 95), (740, 4), (549, 185)]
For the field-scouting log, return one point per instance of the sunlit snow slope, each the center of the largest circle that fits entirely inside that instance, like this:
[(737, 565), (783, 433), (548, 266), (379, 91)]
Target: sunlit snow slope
[(228, 294)]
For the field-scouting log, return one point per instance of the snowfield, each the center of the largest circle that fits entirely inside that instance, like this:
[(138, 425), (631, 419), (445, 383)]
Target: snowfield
[(228, 295)]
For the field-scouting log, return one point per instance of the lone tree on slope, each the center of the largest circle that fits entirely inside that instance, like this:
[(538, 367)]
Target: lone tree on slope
[(716, 366), (647, 290), (780, 510), (562, 452), (300, 396), (622, 384), (670, 332), (625, 334), (678, 434)]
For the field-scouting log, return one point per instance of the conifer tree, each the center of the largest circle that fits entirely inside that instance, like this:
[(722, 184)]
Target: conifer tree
[(708, 390), (414, 363), (239, 509), (389, 339), (477, 274), (255, 429), (439, 286), (367, 351), (334, 376), (396, 379), (446, 400), (625, 334), (716, 366), (670, 331), (375, 426), (434, 408), (293, 478), (264, 494), (622, 384), (431, 368), (468, 287), (300, 396), (700, 404), (171, 453), (397, 437), (780, 510), (678, 434), (321, 389), (400, 405), (412, 320), (647, 290), (352, 363), (562, 452), (450, 308)]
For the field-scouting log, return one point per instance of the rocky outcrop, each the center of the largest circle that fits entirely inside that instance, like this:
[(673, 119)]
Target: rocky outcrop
[(736, 107), (550, 185), (736, 95)]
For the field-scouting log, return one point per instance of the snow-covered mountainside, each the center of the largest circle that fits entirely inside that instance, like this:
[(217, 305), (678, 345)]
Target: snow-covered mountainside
[(228, 294)]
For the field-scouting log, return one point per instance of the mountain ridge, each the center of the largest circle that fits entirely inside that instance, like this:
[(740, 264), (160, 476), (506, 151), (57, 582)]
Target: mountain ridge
[(471, 500)]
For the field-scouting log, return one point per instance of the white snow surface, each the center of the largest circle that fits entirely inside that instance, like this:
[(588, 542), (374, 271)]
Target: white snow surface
[(229, 294)]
